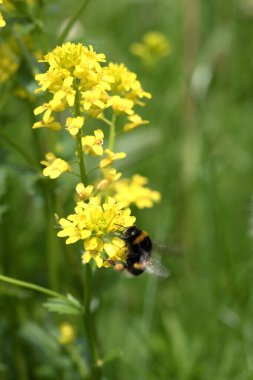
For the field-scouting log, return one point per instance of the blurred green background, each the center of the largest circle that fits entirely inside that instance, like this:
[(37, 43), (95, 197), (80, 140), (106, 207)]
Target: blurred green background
[(197, 323)]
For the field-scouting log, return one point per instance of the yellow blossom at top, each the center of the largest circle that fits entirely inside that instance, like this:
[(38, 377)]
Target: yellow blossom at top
[(74, 124), (75, 68), (93, 144), (54, 166), (134, 192), (77, 82), (67, 334), (111, 157), (153, 47), (94, 223)]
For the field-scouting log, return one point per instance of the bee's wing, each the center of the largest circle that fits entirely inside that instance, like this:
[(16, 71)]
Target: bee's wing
[(175, 250), (153, 265)]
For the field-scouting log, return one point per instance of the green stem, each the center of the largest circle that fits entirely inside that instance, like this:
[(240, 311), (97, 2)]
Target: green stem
[(89, 326), (92, 170), (72, 21), (106, 121), (88, 321), (80, 158), (29, 285), (112, 132)]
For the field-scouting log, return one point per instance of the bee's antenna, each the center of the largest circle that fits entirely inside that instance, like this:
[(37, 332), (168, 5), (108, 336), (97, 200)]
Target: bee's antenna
[(116, 224)]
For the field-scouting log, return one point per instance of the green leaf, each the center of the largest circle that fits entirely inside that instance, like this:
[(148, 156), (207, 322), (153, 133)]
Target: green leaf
[(69, 306)]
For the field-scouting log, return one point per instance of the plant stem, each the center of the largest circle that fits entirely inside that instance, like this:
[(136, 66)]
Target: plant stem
[(88, 321), (72, 21), (29, 285), (81, 163), (112, 132)]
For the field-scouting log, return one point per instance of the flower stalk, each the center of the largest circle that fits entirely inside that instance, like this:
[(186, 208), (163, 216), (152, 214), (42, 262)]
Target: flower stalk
[(29, 285)]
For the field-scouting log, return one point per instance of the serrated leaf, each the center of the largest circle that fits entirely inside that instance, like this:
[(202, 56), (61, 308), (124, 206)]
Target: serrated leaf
[(74, 301), (61, 306)]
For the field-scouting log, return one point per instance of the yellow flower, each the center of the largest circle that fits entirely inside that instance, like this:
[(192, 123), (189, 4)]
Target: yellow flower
[(54, 166), (2, 21), (135, 121), (153, 47), (50, 123), (125, 83), (121, 105), (48, 108), (67, 334), (93, 98), (93, 144), (110, 175), (74, 124), (116, 249), (111, 158), (66, 92), (94, 223), (93, 248), (134, 192), (84, 192)]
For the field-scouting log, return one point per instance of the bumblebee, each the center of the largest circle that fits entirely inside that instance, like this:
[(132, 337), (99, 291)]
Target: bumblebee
[(139, 248)]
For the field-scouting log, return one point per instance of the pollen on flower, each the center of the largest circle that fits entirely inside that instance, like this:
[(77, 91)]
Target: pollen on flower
[(95, 223), (54, 166)]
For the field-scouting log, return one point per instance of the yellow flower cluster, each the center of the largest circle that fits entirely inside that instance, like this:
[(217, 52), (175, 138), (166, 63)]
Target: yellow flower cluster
[(152, 48), (76, 78), (133, 191), (96, 224)]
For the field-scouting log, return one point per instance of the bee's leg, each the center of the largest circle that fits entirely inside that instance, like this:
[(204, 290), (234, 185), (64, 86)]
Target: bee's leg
[(117, 266), (141, 266)]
